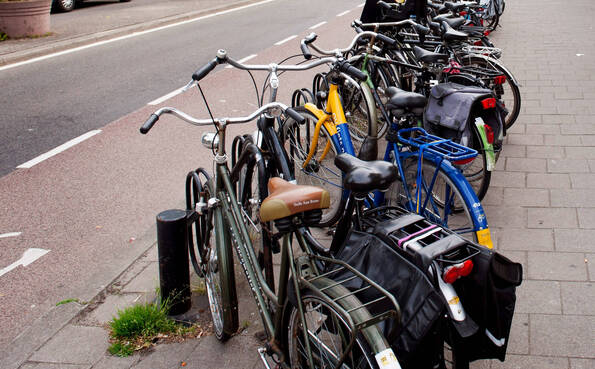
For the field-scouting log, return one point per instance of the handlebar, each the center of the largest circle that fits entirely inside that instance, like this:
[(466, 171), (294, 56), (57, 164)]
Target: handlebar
[(337, 52), (274, 109), (418, 27)]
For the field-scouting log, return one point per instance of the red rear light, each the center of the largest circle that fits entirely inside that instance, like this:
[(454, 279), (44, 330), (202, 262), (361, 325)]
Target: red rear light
[(454, 272), (489, 133), (463, 13), (463, 162), (488, 103), (486, 33), (478, 43), (500, 79)]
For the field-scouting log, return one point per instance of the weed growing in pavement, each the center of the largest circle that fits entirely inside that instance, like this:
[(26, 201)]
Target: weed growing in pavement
[(68, 301), (3, 36), (140, 326)]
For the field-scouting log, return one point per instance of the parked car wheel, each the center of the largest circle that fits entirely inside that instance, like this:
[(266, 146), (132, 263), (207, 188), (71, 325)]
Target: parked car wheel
[(63, 5)]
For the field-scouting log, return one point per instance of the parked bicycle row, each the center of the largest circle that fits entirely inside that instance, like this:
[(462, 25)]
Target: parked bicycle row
[(409, 278)]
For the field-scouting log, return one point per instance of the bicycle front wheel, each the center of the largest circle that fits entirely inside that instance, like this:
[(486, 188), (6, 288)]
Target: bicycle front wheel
[(440, 198), (319, 169), (218, 272)]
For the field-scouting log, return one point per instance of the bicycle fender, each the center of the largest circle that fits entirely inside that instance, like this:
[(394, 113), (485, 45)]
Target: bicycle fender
[(499, 64)]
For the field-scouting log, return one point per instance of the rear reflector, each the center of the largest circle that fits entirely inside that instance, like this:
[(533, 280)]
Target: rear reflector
[(489, 133), (500, 79), (454, 272), (488, 103)]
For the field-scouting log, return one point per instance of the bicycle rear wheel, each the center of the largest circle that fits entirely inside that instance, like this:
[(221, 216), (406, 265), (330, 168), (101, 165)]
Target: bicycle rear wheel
[(441, 202), (320, 169), (328, 332), (507, 92)]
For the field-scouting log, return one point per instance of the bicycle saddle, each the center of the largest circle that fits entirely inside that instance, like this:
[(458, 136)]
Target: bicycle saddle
[(450, 34), (426, 56), (401, 102), (365, 176), (456, 7), (287, 199)]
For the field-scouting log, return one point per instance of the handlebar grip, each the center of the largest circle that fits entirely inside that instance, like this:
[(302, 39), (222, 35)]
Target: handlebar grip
[(353, 71), (387, 40), (305, 50), (204, 70), (149, 123), (384, 5), (421, 29), (295, 115)]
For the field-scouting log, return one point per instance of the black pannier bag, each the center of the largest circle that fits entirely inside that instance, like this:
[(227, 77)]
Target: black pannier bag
[(487, 294), (452, 109)]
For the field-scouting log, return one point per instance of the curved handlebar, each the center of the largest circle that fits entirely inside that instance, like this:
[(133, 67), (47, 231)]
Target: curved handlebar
[(274, 108)]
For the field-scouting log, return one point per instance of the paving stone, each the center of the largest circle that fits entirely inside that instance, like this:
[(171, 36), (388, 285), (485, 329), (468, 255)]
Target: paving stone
[(545, 152), (166, 356), (562, 140), (556, 266), (582, 363), (519, 334), (582, 180), (507, 179), (591, 266), (586, 217), (577, 298), (146, 281), (506, 216), (526, 197), (580, 152), (551, 218), (572, 198), (567, 166), (236, 353), (548, 180), (514, 151), (562, 335), (54, 366), (524, 139), (110, 307), (494, 196), (574, 240), (558, 119), (551, 129), (538, 297), (527, 239), (530, 362), (525, 165), (587, 140), (115, 362), (66, 347)]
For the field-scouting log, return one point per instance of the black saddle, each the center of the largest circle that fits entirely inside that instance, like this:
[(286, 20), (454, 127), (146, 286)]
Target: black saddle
[(402, 102), (365, 176), (431, 57)]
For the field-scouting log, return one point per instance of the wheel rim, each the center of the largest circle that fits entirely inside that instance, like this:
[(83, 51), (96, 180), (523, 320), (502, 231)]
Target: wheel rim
[(325, 329)]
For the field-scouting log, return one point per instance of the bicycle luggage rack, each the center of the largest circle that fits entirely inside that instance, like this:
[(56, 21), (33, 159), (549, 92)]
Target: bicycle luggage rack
[(431, 240), (394, 311), (483, 50), (445, 148)]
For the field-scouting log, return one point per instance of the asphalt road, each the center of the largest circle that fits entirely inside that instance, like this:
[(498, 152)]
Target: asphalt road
[(48, 103), (93, 206)]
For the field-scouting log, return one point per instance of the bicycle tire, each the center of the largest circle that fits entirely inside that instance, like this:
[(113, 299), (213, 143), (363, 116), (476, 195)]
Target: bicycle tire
[(218, 269), (457, 216), (360, 112), (330, 326), (513, 97), (320, 171)]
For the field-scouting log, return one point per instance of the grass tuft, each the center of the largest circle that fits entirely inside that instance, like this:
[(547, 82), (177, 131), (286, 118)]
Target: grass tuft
[(142, 321)]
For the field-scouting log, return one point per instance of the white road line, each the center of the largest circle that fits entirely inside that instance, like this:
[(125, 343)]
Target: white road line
[(167, 97), (342, 14), (59, 149), (241, 61), (28, 257), (317, 25), (361, 5), (10, 234), (9, 66), (285, 40)]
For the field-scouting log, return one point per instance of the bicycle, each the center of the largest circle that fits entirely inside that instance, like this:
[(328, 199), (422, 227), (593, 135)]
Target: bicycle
[(448, 201), (327, 325)]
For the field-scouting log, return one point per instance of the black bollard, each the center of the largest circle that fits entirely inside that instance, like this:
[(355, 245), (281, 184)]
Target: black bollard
[(174, 272)]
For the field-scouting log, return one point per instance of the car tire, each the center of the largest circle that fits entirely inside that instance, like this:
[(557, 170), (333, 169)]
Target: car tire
[(63, 5)]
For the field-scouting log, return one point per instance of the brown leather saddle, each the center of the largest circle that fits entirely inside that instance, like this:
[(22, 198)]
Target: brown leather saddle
[(287, 199)]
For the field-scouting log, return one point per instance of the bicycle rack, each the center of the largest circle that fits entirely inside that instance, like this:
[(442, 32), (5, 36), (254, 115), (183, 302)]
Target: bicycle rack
[(394, 310), (425, 142)]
